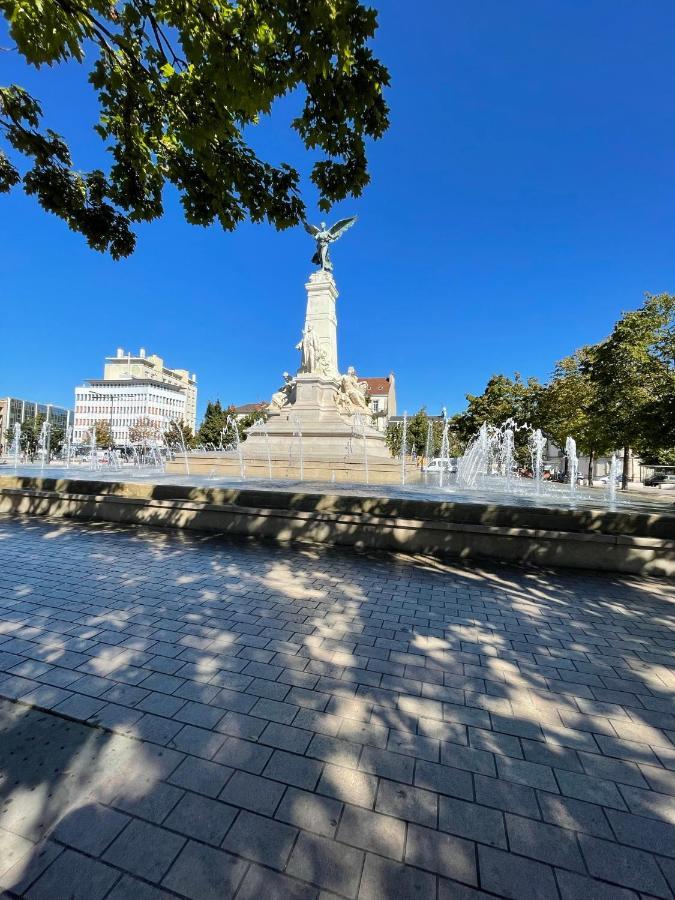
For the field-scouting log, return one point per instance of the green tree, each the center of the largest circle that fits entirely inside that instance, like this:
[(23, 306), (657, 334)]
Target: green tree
[(180, 85), (104, 437), (567, 406), (9, 440), (211, 429), (245, 422), (30, 435), (634, 378), (144, 431), (503, 398), (57, 437), (417, 433), (177, 434)]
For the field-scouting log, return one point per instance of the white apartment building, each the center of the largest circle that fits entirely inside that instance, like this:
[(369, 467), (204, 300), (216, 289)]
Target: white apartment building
[(135, 387)]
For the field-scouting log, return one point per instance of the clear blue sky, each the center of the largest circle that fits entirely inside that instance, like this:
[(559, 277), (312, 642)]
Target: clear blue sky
[(523, 197)]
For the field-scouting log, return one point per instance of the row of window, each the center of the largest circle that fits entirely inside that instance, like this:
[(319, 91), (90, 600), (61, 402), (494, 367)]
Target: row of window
[(126, 410)]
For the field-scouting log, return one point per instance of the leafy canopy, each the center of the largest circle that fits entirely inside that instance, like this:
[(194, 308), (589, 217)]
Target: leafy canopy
[(144, 431), (215, 420), (568, 405), (29, 437), (177, 434), (619, 393), (503, 398), (179, 84), (417, 435), (634, 377), (104, 436)]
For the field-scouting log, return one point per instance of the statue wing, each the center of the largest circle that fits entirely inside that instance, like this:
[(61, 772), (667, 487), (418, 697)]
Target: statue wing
[(340, 227), (311, 229)]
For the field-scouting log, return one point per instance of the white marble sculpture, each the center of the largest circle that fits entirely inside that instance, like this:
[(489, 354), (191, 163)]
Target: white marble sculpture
[(309, 348), (282, 397), (351, 398)]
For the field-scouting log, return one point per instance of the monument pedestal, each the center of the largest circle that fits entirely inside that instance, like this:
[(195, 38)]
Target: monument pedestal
[(326, 433)]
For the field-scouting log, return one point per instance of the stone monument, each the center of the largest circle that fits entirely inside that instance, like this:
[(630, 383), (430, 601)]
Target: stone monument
[(319, 424), (320, 401)]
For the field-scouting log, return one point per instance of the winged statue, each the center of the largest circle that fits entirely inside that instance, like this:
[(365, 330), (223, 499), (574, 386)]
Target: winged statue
[(325, 236)]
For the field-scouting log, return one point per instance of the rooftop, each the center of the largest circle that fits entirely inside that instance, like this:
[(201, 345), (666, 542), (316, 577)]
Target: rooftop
[(251, 407), (378, 384)]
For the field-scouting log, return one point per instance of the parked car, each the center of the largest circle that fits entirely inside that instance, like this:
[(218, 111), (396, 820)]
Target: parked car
[(658, 479), (439, 464), (605, 479)]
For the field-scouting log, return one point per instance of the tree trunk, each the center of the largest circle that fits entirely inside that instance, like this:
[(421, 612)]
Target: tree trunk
[(591, 458), (626, 465)]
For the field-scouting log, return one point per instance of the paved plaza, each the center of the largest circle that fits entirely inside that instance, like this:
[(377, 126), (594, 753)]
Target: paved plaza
[(189, 717)]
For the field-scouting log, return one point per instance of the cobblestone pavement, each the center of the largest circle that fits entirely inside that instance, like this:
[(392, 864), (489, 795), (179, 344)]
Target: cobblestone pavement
[(316, 723)]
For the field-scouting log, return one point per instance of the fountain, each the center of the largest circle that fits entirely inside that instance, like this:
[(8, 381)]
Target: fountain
[(93, 451), (231, 425), (359, 427), (445, 449), (114, 463), (404, 446), (177, 428), (135, 458), (474, 461), (506, 454), (43, 444), (296, 424), (69, 445), (258, 427), (572, 463), (536, 444), (611, 483), (16, 444), (428, 447), (155, 458)]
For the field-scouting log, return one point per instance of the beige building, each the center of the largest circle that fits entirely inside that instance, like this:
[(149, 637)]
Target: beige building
[(123, 366), (135, 387), (382, 395)]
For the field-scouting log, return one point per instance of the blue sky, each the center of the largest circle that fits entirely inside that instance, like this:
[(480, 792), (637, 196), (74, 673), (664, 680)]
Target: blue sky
[(522, 199)]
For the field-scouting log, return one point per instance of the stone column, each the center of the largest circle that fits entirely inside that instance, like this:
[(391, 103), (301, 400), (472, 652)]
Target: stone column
[(321, 296)]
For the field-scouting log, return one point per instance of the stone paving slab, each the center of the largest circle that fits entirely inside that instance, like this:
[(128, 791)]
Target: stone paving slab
[(186, 717)]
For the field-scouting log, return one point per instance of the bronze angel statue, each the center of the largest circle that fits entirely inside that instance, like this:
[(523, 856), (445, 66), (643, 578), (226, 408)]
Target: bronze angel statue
[(325, 236)]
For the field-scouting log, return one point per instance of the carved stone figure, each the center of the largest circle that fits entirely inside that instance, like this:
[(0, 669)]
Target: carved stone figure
[(281, 397), (323, 363), (352, 395), (325, 236), (310, 349)]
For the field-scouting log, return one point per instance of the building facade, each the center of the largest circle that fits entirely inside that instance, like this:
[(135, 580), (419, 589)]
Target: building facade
[(133, 388), (382, 396), (13, 410)]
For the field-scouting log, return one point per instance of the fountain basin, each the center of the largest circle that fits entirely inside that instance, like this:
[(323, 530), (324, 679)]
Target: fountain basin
[(627, 540), (327, 468)]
